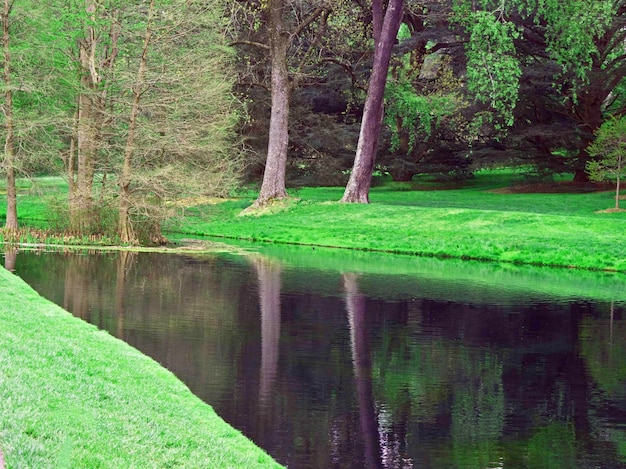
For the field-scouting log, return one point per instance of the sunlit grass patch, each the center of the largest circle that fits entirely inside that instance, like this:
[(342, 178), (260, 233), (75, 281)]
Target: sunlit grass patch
[(188, 202), (541, 229)]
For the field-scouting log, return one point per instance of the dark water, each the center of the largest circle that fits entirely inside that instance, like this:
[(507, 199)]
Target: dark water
[(373, 362)]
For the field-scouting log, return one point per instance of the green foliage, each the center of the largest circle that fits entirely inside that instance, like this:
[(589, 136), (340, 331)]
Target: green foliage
[(415, 114), (571, 29), (553, 447), (609, 148), (478, 410), (102, 222), (571, 25), (609, 151), (604, 351), (493, 70), (37, 110)]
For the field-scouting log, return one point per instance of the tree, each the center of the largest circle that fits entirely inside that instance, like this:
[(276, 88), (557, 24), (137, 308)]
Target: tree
[(385, 30), (277, 28), (150, 92), (273, 186), (609, 151), (175, 116), (28, 114), (424, 100), (571, 55), (125, 228), (9, 148), (97, 53)]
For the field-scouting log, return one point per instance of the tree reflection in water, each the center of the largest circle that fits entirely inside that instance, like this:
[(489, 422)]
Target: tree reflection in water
[(125, 262), (268, 274), (10, 256), (362, 362)]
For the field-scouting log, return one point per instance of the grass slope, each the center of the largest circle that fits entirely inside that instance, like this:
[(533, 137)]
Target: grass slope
[(73, 396)]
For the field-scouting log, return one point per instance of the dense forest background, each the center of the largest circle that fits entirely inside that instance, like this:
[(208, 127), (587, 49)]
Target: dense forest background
[(140, 103)]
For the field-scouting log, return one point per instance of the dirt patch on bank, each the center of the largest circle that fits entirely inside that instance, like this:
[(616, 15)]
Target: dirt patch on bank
[(612, 210)]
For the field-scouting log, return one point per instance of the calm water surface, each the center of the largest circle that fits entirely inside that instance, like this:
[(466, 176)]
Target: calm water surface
[(431, 367)]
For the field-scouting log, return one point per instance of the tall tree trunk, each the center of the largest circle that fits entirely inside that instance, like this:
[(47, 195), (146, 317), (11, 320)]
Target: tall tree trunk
[(94, 59), (589, 114), (617, 182), (358, 187), (125, 228), (273, 186), (70, 162), (9, 146), (81, 200)]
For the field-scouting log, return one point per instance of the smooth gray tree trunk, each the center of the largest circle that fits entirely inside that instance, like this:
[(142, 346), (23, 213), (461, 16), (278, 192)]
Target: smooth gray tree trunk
[(273, 186)]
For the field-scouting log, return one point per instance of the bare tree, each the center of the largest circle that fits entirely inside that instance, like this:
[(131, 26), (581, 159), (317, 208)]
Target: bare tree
[(125, 229), (153, 127), (179, 121), (9, 146), (97, 53)]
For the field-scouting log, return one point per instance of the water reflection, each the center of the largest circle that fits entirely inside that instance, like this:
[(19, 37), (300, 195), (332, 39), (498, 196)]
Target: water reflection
[(362, 362), (269, 285), (340, 369), (10, 257)]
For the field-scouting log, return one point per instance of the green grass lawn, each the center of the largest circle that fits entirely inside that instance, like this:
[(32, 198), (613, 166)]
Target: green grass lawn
[(72, 396), (477, 221), (481, 218)]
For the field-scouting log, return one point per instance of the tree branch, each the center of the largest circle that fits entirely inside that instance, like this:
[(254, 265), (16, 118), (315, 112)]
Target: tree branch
[(312, 17), (349, 70), (259, 45)]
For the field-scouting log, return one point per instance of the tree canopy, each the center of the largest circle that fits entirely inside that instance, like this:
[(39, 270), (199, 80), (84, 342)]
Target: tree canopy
[(138, 98)]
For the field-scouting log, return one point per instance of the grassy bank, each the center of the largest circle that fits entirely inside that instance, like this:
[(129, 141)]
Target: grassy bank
[(491, 217), (73, 396), (486, 219)]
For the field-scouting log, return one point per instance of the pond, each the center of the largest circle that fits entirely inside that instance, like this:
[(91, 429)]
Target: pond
[(332, 359)]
